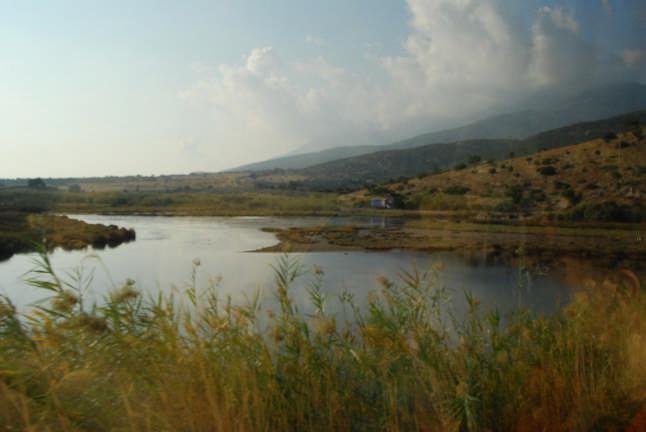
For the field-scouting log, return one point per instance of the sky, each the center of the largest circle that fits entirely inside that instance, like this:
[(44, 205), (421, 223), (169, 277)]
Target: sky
[(93, 88)]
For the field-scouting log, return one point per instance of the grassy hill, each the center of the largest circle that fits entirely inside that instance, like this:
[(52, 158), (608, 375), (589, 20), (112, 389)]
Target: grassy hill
[(386, 165), (602, 179), (541, 115)]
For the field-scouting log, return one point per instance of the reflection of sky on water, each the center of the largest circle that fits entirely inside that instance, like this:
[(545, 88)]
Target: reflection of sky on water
[(162, 256)]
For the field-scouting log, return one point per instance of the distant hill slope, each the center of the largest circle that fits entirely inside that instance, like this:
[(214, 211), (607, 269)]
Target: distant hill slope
[(598, 180), (544, 115), (384, 165), (305, 160)]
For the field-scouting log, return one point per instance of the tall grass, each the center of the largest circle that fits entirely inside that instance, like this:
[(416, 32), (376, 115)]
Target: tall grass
[(198, 362)]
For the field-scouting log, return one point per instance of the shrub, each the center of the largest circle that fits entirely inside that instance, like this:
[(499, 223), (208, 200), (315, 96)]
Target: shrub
[(505, 207), (456, 190), (548, 170), (537, 195), (474, 159), (36, 183), (515, 193), (573, 197), (610, 136), (609, 211), (122, 201), (460, 166)]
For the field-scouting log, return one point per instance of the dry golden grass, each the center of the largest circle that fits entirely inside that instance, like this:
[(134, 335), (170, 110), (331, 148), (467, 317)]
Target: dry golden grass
[(599, 170), (200, 364)]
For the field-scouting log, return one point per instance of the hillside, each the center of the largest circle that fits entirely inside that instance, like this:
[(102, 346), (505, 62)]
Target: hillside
[(532, 118), (602, 179), (391, 164)]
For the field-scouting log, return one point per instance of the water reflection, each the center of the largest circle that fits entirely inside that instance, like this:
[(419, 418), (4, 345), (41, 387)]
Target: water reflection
[(161, 259)]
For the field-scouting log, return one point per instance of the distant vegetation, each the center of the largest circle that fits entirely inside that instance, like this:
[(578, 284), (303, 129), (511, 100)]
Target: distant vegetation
[(604, 178), (199, 203), (405, 362)]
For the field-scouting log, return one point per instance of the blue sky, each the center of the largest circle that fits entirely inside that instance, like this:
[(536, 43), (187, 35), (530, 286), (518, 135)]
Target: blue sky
[(152, 87)]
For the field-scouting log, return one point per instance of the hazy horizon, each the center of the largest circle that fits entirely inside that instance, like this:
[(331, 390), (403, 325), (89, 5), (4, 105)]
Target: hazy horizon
[(97, 89)]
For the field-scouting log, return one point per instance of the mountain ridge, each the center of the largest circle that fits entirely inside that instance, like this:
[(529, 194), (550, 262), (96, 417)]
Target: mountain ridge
[(388, 164), (591, 105)]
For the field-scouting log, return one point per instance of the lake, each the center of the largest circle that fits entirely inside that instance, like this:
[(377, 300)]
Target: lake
[(162, 259)]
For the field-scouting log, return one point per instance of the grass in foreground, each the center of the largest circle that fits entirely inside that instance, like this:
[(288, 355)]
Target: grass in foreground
[(201, 364)]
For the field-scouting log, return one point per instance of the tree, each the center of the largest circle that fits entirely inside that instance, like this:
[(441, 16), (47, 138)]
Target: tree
[(610, 136), (36, 183)]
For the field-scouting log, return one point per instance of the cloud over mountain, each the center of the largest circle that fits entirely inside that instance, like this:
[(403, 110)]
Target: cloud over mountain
[(460, 59)]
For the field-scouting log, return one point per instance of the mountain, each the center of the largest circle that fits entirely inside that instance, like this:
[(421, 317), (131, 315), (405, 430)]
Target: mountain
[(597, 180), (532, 117), (305, 160), (389, 164)]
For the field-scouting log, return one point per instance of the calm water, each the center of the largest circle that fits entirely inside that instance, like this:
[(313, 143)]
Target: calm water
[(161, 259)]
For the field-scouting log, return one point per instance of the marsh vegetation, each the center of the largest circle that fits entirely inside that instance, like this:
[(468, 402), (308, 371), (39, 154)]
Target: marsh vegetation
[(26, 219), (197, 361)]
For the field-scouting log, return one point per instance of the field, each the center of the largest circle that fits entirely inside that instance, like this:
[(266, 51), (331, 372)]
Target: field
[(237, 203), (197, 362)]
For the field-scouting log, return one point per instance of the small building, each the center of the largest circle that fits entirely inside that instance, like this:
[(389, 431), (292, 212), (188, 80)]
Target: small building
[(382, 202)]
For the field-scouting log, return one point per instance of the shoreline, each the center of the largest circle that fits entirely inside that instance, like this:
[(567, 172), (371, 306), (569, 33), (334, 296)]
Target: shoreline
[(416, 232), (490, 240)]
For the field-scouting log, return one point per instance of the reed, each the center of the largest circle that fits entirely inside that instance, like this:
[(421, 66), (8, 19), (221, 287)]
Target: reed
[(199, 362)]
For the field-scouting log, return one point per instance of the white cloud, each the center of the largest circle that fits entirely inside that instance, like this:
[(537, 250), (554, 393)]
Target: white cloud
[(559, 55), (461, 58), (459, 55), (313, 40), (266, 106)]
